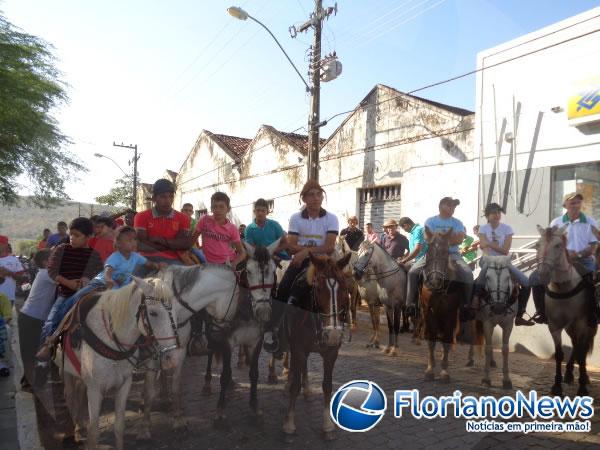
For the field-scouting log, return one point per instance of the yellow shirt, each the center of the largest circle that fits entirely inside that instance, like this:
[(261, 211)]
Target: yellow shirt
[(5, 308)]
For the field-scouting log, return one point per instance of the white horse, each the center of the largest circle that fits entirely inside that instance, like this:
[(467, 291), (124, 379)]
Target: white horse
[(497, 308), (104, 360), (567, 307), (391, 282), (210, 287)]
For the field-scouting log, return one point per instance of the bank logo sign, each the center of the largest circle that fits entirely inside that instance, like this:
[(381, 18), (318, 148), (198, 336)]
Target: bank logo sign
[(584, 104), (358, 406)]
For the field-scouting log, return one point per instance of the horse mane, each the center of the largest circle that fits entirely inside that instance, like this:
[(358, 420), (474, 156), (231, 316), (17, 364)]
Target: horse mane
[(186, 276), (116, 302), (261, 255)]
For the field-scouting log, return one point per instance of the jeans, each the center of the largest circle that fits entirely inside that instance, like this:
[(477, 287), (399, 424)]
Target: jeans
[(516, 273), (199, 254), (463, 273)]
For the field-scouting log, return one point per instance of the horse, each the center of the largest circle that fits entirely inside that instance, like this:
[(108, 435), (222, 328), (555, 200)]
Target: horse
[(108, 349), (497, 308), (567, 307), (342, 249), (211, 287), (368, 290), (316, 324), (439, 301), (248, 331), (391, 282)]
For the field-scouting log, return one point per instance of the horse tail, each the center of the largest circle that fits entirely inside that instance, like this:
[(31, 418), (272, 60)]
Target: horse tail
[(591, 337)]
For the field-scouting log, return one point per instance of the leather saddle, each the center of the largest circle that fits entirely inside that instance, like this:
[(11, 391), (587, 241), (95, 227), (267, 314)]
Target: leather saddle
[(71, 324)]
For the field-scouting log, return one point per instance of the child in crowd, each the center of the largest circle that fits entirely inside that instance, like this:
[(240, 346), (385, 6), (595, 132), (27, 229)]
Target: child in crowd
[(5, 316), (220, 238), (33, 314), (71, 266), (103, 240), (118, 269)]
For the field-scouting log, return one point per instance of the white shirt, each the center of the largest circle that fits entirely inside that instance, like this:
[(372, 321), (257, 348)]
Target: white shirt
[(579, 232), (495, 235), (9, 286), (311, 231), (41, 296)]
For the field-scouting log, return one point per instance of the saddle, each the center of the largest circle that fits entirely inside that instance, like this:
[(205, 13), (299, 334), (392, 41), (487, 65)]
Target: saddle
[(71, 324)]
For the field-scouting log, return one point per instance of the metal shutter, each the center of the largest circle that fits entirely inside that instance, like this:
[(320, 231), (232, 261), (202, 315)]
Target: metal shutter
[(379, 203)]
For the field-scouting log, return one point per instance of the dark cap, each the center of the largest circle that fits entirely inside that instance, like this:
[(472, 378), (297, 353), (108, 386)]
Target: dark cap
[(449, 201), (161, 186)]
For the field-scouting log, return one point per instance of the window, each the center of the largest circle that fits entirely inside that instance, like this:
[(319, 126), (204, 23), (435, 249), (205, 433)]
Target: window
[(380, 193), (201, 212), (582, 178)]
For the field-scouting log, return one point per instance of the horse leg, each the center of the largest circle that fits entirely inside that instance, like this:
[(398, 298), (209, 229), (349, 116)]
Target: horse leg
[(374, 341), (272, 378), (444, 375), (470, 358), (405, 325), (206, 389), (329, 358), (241, 357), (286, 364), (254, 379), (120, 403), (94, 402), (221, 418), (429, 375), (569, 378), (488, 330), (178, 420), (582, 346), (289, 424), (354, 301), (305, 381), (558, 358), (396, 311), (506, 331), (76, 401), (389, 313), (149, 396)]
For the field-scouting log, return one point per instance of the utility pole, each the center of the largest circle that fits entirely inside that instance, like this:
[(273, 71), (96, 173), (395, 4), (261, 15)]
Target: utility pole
[(135, 161), (326, 69)]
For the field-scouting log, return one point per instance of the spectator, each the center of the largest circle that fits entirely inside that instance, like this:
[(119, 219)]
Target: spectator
[(11, 270), (352, 234), (103, 240), (394, 243), (59, 237), (371, 234), (242, 231), (44, 242), (5, 316)]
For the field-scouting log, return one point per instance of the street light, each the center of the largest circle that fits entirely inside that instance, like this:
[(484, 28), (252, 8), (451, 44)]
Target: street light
[(100, 155)]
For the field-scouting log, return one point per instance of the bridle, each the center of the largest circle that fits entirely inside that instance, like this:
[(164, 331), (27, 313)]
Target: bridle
[(498, 296), (143, 315), (336, 316), (375, 275), (433, 263), (262, 286)]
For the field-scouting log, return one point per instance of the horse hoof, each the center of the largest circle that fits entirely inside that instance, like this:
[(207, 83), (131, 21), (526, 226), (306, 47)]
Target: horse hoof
[(445, 378), (470, 363), (493, 364), (429, 376), (568, 378), (507, 384), (328, 436), (206, 390), (376, 345), (386, 350), (272, 379), (557, 390), (486, 382)]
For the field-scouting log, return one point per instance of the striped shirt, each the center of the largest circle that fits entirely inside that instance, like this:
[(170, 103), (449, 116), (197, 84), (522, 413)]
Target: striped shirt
[(73, 263)]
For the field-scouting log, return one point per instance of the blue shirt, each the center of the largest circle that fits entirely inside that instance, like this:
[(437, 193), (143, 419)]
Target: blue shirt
[(265, 235), (122, 268), (416, 237), (55, 239), (437, 224)]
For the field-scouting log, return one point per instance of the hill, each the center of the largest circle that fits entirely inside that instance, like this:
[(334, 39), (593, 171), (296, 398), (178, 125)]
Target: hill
[(26, 221)]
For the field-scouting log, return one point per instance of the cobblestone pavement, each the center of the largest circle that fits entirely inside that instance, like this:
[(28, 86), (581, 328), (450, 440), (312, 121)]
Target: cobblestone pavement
[(355, 362)]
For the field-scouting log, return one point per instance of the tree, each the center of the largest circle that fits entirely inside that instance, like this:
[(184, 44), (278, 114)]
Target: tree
[(120, 195), (31, 142)]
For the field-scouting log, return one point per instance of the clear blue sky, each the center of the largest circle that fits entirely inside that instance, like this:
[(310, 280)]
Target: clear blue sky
[(156, 73)]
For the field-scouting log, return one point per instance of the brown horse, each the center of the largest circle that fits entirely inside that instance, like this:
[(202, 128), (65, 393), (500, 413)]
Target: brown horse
[(317, 325), (439, 301)]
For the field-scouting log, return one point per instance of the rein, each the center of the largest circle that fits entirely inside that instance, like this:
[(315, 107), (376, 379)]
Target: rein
[(379, 275)]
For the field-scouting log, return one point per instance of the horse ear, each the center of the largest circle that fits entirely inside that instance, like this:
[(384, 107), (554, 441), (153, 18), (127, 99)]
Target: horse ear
[(541, 230), (344, 261), (563, 229), (249, 249), (271, 248), (428, 234), (146, 287)]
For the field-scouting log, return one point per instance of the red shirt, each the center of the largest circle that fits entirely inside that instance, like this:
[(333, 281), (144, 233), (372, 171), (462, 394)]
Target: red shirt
[(104, 247), (167, 227)]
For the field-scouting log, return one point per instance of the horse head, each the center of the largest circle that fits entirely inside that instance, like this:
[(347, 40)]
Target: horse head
[(551, 251), (342, 249), (498, 282), (435, 272), (330, 297), (365, 254), (260, 271), (156, 317)]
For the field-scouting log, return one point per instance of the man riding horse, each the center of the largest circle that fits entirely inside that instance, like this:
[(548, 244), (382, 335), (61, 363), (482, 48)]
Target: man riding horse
[(443, 222), (311, 230)]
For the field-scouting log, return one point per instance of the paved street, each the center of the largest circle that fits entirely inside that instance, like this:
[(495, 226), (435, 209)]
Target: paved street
[(355, 362)]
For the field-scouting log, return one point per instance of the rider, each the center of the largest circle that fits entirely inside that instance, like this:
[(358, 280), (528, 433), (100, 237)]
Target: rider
[(312, 230), (161, 230), (264, 231), (581, 246), (417, 245), (495, 239), (441, 223), (352, 234), (394, 243)]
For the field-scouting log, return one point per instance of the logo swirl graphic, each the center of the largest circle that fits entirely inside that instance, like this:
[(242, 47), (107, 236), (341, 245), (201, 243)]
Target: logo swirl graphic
[(358, 406)]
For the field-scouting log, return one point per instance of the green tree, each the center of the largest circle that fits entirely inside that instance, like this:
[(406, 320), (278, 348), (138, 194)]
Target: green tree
[(31, 142), (120, 195)]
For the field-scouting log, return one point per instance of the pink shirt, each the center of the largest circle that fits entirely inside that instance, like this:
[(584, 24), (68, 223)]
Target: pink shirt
[(217, 239), (372, 237)]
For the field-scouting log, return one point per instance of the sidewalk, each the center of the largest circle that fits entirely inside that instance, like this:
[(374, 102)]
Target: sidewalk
[(8, 411)]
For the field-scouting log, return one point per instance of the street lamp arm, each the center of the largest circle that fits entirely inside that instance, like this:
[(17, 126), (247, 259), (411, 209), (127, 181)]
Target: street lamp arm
[(99, 155), (308, 89)]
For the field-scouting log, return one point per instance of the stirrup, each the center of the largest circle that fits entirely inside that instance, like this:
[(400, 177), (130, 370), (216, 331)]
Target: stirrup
[(539, 318), (520, 321)]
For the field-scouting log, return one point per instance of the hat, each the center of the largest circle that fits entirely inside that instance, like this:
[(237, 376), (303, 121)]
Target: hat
[(449, 201), (161, 186), (3, 239), (390, 223), (571, 196)]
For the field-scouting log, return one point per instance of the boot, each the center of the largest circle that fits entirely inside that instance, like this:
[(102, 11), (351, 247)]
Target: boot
[(538, 299), (522, 300)]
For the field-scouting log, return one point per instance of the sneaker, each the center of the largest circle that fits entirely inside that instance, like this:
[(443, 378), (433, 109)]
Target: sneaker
[(519, 321)]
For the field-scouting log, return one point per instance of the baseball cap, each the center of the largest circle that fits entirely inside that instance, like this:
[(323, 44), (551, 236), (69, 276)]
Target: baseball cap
[(449, 201)]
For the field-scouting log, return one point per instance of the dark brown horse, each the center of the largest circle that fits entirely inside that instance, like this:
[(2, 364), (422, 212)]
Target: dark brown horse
[(439, 301), (317, 325)]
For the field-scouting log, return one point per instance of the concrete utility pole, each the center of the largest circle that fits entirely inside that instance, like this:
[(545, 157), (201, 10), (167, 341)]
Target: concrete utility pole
[(135, 161)]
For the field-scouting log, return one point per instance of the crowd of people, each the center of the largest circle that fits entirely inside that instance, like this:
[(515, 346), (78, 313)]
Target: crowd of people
[(104, 252)]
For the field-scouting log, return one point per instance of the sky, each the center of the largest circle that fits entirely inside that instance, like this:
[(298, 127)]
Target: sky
[(156, 73)]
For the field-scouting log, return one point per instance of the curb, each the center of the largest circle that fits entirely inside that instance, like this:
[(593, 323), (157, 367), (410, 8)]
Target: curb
[(27, 426)]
